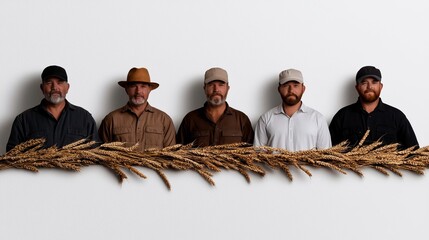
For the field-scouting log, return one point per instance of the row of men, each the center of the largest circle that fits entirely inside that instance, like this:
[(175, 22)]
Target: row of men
[(290, 125)]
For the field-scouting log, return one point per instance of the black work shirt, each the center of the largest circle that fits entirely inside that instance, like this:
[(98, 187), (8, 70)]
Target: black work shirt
[(232, 127), (386, 123), (74, 123)]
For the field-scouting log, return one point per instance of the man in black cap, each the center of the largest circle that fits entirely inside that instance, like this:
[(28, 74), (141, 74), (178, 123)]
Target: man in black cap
[(54, 119), (386, 123)]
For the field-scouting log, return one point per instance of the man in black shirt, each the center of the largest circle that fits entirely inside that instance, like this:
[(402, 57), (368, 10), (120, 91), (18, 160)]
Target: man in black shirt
[(386, 123), (54, 119)]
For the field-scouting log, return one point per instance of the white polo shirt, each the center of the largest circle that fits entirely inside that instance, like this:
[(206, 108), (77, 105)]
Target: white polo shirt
[(305, 129)]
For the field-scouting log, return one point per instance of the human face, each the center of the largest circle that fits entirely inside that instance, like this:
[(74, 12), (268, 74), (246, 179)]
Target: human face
[(54, 90), (291, 92), (138, 93), (216, 92), (369, 90)]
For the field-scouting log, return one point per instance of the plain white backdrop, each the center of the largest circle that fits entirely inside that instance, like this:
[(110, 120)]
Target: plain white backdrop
[(97, 42)]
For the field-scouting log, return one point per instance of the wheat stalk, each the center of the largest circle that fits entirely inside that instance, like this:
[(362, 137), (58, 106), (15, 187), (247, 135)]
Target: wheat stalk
[(239, 157)]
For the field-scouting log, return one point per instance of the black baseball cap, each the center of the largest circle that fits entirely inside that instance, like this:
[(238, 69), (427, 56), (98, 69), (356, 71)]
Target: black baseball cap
[(368, 71), (54, 71)]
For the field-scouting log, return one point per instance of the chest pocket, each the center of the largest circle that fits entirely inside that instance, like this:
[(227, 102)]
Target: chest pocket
[(73, 135), (201, 138), (154, 137), (37, 134), (231, 136), (122, 134)]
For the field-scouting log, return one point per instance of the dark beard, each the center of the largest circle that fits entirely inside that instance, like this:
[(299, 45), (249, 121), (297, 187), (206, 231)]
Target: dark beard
[(289, 101)]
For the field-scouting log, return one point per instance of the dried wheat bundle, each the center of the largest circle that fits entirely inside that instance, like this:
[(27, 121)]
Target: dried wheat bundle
[(240, 157)]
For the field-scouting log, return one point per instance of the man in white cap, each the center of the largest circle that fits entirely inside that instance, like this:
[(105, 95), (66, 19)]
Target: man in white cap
[(216, 123), (137, 121), (292, 125)]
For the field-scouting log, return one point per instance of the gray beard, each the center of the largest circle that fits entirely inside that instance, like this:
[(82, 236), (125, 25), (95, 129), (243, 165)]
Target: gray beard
[(54, 100)]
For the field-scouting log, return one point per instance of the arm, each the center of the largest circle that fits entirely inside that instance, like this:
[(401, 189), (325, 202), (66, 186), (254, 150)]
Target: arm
[(248, 134), (17, 134), (406, 136), (170, 132), (105, 130), (335, 130), (323, 135), (182, 133), (261, 138)]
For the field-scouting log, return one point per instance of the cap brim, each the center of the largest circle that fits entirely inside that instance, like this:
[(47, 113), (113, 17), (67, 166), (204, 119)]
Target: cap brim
[(54, 76), (368, 76)]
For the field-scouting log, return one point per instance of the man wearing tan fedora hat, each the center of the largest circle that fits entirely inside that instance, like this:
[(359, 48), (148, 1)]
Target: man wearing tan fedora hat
[(137, 121), (216, 123)]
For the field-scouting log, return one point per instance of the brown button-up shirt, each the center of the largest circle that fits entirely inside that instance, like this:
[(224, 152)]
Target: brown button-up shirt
[(153, 129), (232, 127)]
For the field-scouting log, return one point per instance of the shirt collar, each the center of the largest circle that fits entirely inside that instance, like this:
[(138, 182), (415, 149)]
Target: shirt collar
[(279, 109), (228, 110), (42, 105), (380, 106), (127, 108)]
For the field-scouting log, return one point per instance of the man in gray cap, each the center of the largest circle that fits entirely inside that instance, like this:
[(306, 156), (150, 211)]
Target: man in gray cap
[(54, 119), (386, 123), (292, 125), (216, 123)]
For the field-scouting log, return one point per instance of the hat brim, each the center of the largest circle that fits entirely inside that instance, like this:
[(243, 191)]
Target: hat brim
[(368, 76), (153, 85), (54, 76)]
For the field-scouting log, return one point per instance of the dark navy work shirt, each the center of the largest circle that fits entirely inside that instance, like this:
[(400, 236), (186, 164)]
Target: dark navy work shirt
[(385, 123), (74, 123)]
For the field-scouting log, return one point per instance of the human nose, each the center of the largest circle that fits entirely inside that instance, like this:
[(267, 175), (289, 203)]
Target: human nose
[(215, 88), (54, 85)]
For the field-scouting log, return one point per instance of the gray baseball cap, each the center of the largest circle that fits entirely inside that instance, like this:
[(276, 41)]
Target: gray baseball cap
[(290, 75)]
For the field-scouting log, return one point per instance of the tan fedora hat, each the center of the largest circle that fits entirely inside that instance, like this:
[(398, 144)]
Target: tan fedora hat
[(138, 75)]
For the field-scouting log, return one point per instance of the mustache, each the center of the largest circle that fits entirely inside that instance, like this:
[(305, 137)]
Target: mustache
[(55, 92), (291, 94), (216, 94)]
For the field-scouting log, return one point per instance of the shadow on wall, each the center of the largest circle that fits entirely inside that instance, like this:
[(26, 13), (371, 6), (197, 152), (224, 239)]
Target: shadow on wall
[(271, 97), (348, 94), (116, 97), (27, 96), (194, 95)]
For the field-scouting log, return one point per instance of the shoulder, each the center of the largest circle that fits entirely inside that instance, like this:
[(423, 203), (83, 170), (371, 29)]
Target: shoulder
[(390, 108), (29, 113), (393, 111), (310, 110), (78, 109), (115, 112), (237, 112), (268, 115), (194, 113), (346, 109), (159, 112)]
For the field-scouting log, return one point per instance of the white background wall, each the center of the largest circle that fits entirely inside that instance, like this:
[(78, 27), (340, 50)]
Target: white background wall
[(99, 41)]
